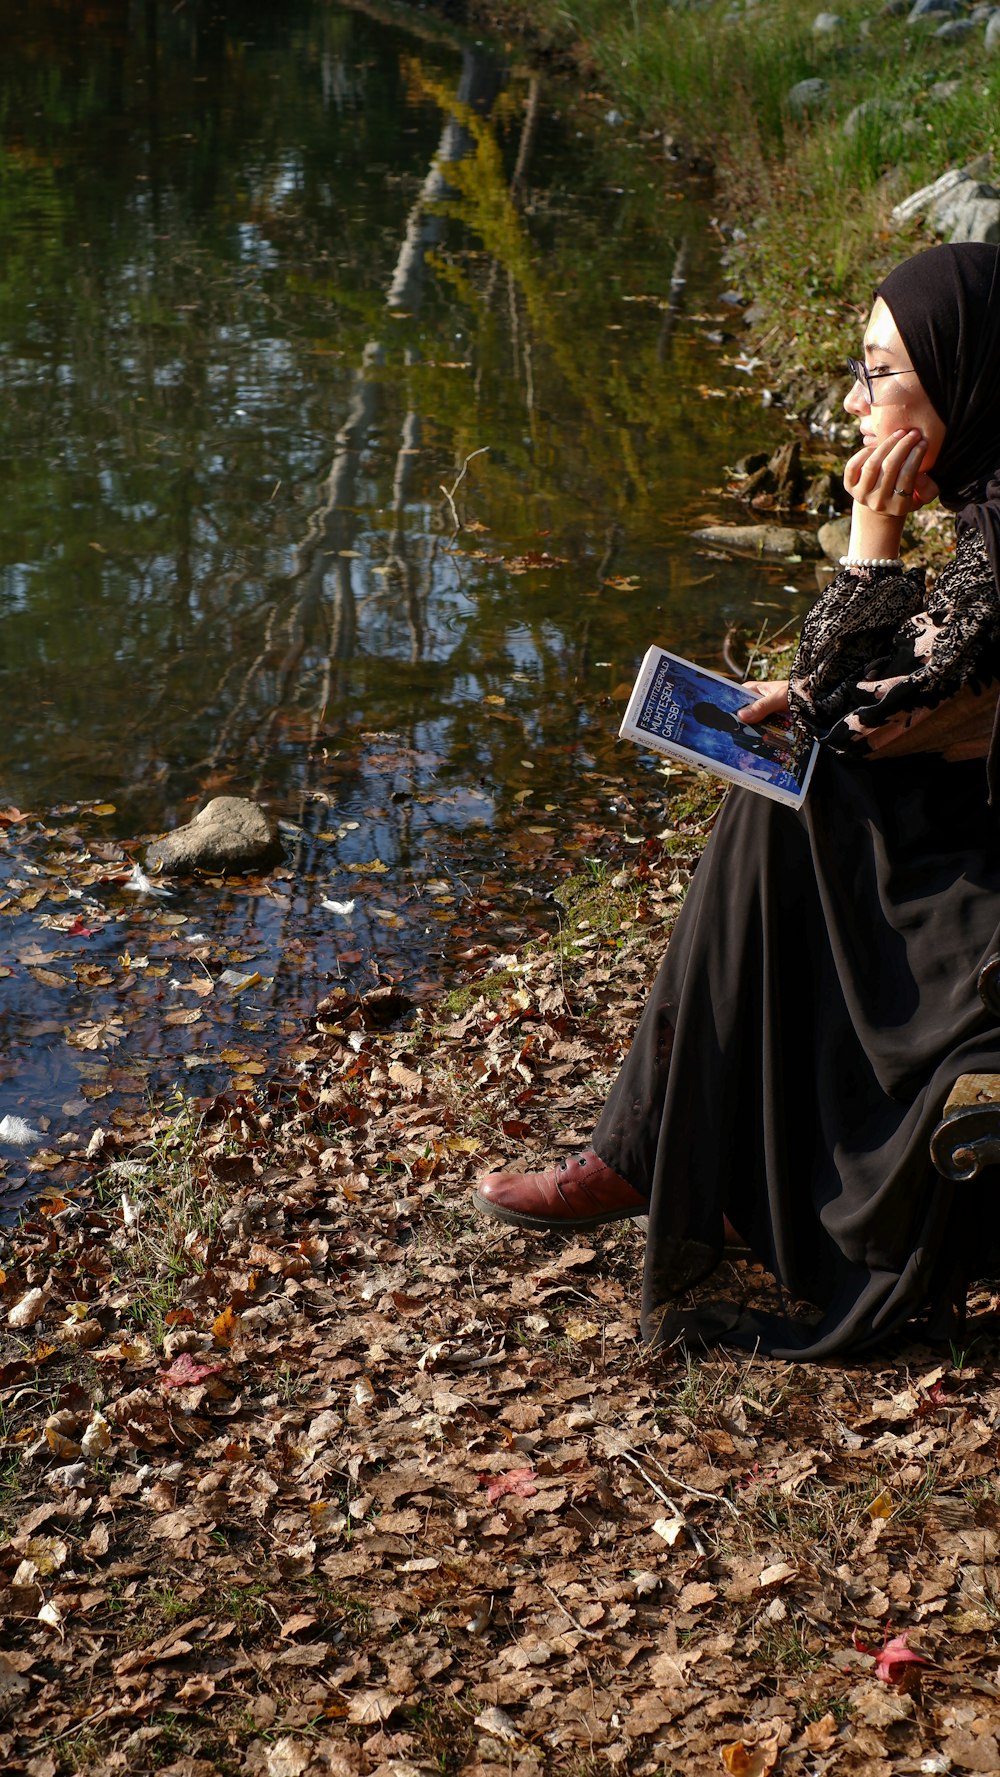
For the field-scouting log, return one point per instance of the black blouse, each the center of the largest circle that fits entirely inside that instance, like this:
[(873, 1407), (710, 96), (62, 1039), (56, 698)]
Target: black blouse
[(884, 663)]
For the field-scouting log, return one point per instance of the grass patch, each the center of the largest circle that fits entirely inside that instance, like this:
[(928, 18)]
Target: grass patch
[(828, 1521), (709, 1392), (787, 1648), (171, 1205)]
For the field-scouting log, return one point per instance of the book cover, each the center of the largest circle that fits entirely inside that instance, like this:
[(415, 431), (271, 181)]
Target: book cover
[(689, 713)]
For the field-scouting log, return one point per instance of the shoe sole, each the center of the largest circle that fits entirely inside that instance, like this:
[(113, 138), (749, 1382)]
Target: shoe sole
[(519, 1218)]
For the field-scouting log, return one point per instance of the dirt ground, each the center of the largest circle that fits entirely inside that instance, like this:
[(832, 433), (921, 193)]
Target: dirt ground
[(306, 1469)]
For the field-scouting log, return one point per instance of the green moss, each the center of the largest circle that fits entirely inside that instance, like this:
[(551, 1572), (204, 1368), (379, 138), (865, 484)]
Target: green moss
[(596, 902), (487, 987)]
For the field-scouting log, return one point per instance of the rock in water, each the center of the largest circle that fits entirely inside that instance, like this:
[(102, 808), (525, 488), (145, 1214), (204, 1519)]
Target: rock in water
[(826, 494), (231, 834), (779, 541)]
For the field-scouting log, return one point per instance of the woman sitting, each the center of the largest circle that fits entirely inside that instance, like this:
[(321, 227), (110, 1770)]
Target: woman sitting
[(818, 998)]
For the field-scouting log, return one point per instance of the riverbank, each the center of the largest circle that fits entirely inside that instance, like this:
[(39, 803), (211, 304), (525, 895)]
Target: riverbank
[(838, 143), (815, 123)]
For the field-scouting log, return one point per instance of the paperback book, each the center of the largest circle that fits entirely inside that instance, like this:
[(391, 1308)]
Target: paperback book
[(689, 713)]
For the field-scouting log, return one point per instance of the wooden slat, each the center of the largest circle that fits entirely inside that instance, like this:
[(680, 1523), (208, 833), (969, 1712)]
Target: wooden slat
[(972, 1089)]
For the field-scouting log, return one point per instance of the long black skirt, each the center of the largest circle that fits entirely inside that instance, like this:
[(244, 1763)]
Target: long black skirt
[(817, 1002)]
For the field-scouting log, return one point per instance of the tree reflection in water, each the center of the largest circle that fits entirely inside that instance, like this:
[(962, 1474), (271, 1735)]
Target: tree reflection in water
[(269, 283)]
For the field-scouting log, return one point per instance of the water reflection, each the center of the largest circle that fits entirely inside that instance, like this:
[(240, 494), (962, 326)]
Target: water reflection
[(354, 410)]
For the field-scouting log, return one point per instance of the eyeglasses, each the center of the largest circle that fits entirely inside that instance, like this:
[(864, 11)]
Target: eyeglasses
[(867, 378)]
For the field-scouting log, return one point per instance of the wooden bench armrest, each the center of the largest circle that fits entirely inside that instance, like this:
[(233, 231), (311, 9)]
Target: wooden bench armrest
[(968, 1135)]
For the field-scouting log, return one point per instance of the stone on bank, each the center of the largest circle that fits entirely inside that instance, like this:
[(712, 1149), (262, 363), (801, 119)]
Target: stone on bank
[(960, 204), (834, 538), (806, 95)]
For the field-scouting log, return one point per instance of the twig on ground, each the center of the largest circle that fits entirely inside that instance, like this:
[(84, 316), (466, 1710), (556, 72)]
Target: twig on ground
[(679, 1517), (568, 1614), (718, 1499)]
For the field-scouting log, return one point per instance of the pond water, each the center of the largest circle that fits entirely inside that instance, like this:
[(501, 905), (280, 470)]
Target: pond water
[(358, 395)]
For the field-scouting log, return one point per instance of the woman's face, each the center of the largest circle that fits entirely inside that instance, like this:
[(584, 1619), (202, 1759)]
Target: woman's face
[(899, 401)]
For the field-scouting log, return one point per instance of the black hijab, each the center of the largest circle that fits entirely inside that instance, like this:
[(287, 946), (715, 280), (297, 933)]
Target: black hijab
[(946, 304)]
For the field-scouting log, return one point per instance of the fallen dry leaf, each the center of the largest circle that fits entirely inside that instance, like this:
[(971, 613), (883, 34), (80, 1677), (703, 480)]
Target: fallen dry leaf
[(499, 1725), (669, 1529), (776, 1575), (28, 1310), (758, 1760), (187, 1371), (518, 1481), (819, 1736), (370, 1707), (225, 1326)]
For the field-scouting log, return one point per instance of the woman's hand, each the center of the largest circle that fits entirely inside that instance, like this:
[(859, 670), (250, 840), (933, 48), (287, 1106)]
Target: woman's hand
[(887, 478), (770, 699)]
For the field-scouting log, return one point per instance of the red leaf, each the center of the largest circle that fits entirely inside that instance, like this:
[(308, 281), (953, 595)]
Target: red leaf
[(519, 1481), (891, 1663), (893, 1658), (186, 1372), (515, 1127), (932, 1399)]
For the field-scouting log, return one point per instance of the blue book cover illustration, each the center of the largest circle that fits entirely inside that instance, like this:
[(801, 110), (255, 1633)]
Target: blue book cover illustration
[(689, 713)]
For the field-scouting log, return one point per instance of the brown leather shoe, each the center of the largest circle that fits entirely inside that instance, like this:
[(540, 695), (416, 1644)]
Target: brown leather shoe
[(579, 1193)]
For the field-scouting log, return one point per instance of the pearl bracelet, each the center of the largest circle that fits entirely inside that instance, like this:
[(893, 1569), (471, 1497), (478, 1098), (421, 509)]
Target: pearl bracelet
[(868, 561)]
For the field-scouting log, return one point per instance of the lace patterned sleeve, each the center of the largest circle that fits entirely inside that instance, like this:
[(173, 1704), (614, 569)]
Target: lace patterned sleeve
[(878, 652)]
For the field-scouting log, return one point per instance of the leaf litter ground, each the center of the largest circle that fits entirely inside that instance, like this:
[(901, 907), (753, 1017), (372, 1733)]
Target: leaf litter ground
[(306, 1469)]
